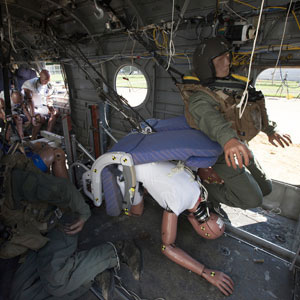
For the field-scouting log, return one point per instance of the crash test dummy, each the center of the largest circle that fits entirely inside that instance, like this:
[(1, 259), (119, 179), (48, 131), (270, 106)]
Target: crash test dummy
[(212, 95), (176, 189), (40, 218), (37, 92), (19, 113), (48, 158), (45, 157)]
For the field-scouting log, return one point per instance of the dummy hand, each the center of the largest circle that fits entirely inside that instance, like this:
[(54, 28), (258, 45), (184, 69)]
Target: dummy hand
[(236, 149), (223, 282), (34, 121), (280, 139), (75, 227), (52, 110)]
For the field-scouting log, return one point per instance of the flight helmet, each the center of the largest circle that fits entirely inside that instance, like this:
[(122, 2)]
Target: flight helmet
[(205, 52)]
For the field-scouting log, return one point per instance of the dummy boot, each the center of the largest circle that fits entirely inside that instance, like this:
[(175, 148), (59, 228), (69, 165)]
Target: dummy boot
[(106, 282), (131, 255)]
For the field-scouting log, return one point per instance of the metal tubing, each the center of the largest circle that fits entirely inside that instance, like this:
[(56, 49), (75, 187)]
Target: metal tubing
[(295, 259), (96, 293), (79, 164), (107, 132), (85, 151), (73, 147), (264, 244), (66, 124), (96, 133)]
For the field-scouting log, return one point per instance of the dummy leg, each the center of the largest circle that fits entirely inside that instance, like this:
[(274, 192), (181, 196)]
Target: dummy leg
[(35, 131), (137, 207), (2, 112), (8, 131), (260, 176), (240, 188), (137, 210), (59, 270), (18, 122), (27, 114), (37, 123), (19, 125), (208, 175), (45, 152), (52, 120), (59, 165)]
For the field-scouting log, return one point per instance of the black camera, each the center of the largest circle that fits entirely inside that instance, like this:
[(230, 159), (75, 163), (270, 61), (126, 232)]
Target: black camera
[(254, 95)]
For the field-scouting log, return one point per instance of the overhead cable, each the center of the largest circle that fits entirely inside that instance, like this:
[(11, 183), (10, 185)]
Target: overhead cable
[(245, 3), (296, 19), (148, 45), (282, 38), (171, 50), (244, 100), (116, 101), (10, 31)]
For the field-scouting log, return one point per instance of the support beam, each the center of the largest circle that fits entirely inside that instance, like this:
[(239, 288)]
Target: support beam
[(66, 123), (270, 247), (95, 129)]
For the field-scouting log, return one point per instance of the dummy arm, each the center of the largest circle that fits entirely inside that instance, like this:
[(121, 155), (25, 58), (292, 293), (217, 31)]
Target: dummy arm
[(168, 235), (28, 94), (169, 231)]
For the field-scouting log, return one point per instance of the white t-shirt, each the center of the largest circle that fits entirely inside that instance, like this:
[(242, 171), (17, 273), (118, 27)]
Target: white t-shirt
[(170, 186), (39, 94)]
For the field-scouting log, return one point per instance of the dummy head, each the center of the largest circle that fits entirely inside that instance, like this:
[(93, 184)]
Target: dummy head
[(212, 59), (222, 65), (212, 228), (44, 77)]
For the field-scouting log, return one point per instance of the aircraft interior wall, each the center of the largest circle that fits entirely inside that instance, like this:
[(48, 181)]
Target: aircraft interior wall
[(97, 42)]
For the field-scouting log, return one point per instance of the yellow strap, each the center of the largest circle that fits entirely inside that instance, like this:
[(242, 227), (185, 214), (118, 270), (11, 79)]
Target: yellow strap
[(296, 19), (191, 78), (245, 3), (239, 77)]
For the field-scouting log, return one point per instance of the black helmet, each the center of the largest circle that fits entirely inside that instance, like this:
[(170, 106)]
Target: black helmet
[(204, 54)]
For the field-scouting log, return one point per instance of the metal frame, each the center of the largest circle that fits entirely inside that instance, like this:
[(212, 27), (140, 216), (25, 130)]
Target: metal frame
[(94, 175)]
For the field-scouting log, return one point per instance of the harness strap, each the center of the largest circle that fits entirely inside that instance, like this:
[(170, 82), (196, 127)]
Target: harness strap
[(130, 185)]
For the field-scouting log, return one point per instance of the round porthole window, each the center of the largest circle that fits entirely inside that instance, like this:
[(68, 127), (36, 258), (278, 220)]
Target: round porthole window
[(131, 83)]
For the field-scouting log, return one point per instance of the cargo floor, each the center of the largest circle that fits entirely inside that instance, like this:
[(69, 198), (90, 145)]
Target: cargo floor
[(257, 275)]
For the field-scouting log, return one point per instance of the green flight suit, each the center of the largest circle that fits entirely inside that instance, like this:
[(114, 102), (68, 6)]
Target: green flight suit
[(57, 270), (244, 187)]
